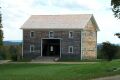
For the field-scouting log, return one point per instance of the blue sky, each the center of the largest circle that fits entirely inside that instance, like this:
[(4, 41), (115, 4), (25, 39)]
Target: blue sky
[(16, 12)]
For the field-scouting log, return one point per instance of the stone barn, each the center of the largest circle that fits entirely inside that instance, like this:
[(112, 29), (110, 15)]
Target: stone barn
[(65, 36)]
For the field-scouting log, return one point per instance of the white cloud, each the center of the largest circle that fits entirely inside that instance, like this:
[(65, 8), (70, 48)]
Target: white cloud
[(90, 4)]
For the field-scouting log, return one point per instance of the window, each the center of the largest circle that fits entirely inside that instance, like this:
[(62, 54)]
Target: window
[(32, 48), (32, 34), (70, 34), (51, 34), (70, 49)]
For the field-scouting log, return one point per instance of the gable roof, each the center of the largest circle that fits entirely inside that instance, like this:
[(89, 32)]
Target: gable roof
[(76, 21)]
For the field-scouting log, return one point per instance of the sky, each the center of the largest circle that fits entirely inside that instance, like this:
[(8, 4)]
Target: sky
[(16, 12)]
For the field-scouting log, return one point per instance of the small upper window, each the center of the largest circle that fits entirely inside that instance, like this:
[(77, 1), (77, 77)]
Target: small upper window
[(32, 34), (32, 48), (70, 49), (70, 34), (51, 34)]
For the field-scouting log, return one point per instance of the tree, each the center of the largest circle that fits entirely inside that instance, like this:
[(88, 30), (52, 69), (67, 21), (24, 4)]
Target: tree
[(118, 35), (1, 32), (109, 50), (2, 56), (116, 8)]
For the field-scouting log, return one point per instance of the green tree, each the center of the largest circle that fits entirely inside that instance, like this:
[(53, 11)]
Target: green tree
[(1, 32), (118, 35), (2, 55), (116, 8), (109, 50)]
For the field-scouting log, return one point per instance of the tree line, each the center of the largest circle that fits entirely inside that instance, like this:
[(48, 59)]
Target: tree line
[(13, 52), (8, 52)]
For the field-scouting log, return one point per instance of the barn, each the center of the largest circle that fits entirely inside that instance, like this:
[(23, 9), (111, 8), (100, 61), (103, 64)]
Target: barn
[(72, 36)]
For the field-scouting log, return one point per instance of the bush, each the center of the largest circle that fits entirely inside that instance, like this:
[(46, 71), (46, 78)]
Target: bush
[(108, 51), (15, 52), (2, 55), (10, 52), (117, 56)]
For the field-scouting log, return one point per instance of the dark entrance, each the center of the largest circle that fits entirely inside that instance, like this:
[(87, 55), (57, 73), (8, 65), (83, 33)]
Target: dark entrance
[(50, 47)]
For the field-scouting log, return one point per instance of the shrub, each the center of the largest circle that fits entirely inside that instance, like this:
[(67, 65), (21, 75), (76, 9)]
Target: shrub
[(2, 55), (15, 52), (108, 50)]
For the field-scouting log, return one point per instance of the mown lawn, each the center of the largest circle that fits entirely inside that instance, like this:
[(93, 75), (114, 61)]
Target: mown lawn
[(25, 71)]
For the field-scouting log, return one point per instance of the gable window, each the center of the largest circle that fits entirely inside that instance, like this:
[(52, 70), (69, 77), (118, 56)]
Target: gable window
[(70, 34), (51, 34), (32, 34), (70, 49), (32, 48)]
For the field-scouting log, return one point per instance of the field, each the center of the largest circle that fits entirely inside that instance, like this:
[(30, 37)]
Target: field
[(32, 71)]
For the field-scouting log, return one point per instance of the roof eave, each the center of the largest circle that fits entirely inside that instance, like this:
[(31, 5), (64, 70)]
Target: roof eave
[(53, 28), (97, 28)]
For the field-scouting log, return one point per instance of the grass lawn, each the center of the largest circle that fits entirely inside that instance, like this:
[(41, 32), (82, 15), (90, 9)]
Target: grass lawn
[(24, 71)]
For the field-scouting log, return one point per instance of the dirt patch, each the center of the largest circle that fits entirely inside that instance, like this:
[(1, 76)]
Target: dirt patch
[(4, 61), (117, 77)]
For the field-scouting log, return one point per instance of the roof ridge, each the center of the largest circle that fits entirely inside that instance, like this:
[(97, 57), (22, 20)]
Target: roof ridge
[(60, 14)]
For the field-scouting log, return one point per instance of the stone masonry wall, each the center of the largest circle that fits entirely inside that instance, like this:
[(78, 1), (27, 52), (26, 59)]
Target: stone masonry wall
[(89, 41), (65, 42)]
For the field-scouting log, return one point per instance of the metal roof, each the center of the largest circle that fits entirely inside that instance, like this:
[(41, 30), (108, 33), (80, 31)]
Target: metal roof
[(73, 21)]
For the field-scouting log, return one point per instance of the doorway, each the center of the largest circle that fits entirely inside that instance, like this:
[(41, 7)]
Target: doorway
[(51, 47)]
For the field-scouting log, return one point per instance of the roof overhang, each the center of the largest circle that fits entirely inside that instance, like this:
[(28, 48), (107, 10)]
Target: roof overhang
[(94, 22)]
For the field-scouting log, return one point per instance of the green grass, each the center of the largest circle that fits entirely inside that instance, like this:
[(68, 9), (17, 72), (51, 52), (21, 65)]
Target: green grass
[(25, 71)]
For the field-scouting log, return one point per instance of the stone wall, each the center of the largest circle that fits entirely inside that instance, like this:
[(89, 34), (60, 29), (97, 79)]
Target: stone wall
[(89, 41), (65, 42)]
